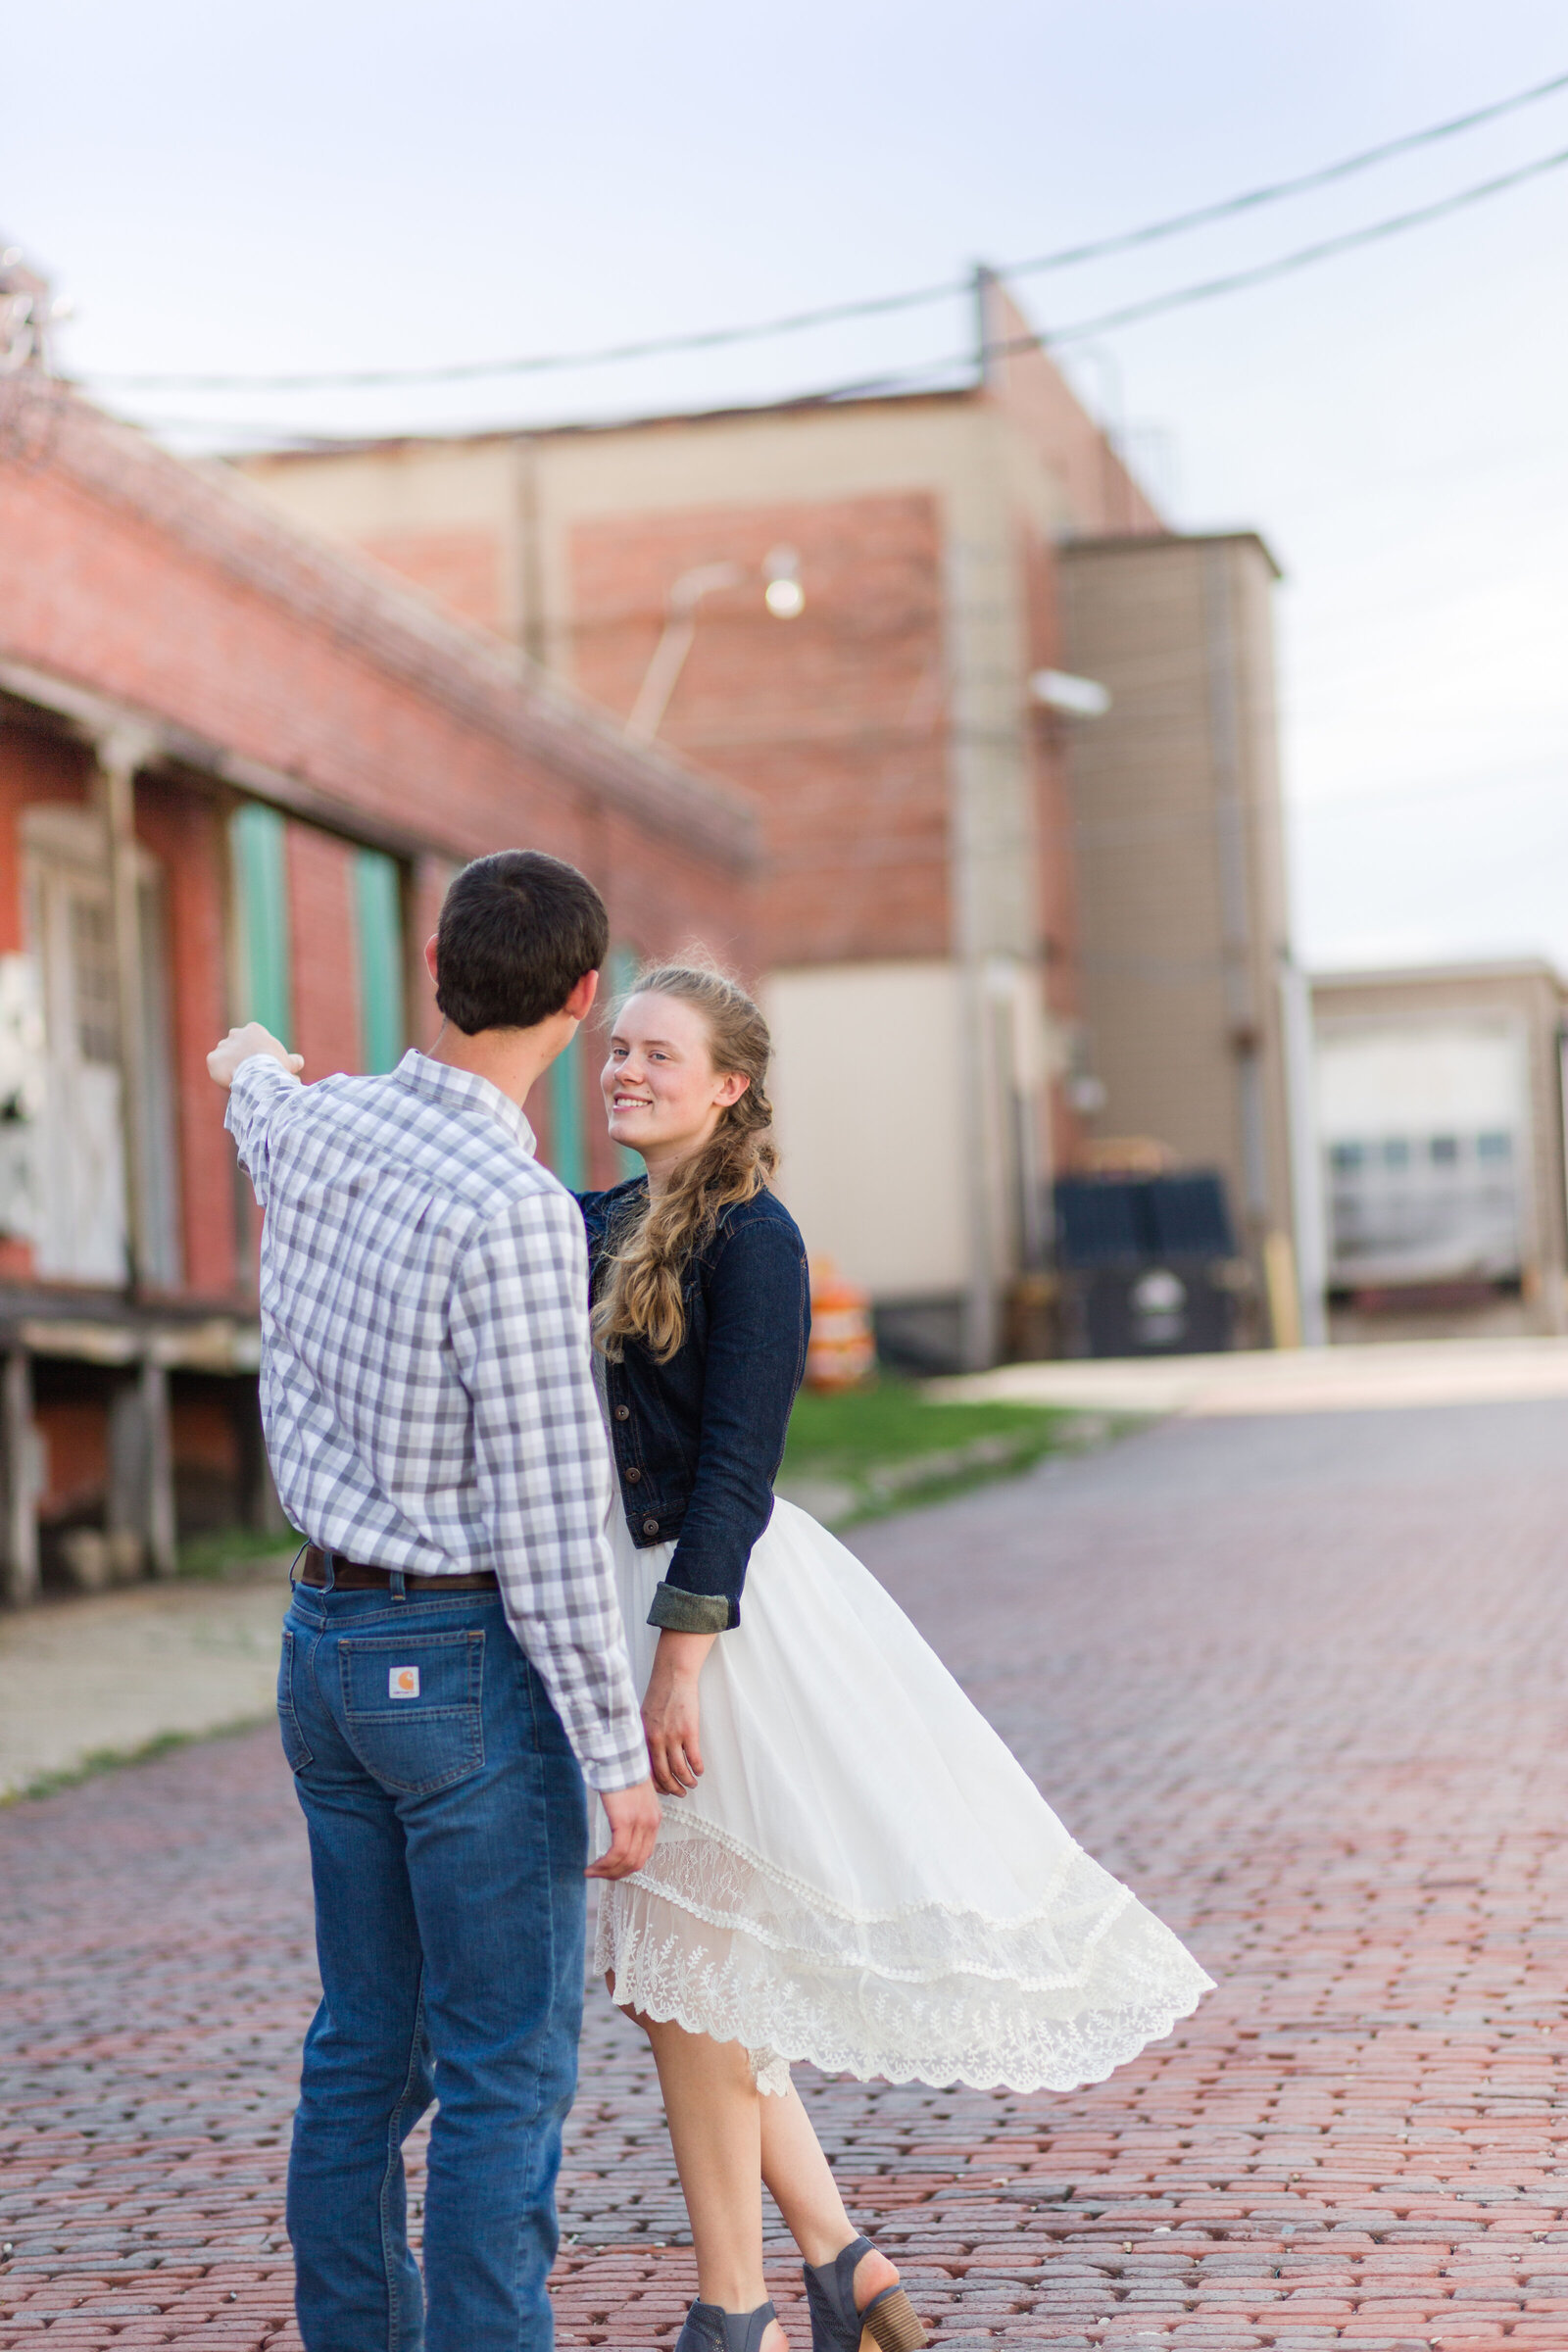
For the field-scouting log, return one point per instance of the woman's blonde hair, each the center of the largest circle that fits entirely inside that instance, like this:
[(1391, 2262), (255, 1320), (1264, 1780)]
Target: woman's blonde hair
[(640, 1298)]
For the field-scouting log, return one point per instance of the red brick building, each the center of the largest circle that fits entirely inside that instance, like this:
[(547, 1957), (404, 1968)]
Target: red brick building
[(236, 771), (983, 926)]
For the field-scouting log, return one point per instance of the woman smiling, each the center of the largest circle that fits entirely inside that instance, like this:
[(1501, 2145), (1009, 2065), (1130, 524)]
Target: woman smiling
[(854, 1869)]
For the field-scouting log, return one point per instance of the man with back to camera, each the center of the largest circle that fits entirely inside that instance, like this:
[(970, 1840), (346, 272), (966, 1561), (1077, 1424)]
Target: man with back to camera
[(454, 1667)]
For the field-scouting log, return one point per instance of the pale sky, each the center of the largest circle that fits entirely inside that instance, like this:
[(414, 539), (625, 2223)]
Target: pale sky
[(338, 185)]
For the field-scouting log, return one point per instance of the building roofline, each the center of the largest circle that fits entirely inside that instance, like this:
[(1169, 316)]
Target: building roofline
[(226, 521), (86, 715), (504, 435), (1413, 975), (1140, 542)]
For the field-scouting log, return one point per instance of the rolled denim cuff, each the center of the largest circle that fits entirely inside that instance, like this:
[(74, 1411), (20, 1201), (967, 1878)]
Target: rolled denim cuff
[(679, 1612)]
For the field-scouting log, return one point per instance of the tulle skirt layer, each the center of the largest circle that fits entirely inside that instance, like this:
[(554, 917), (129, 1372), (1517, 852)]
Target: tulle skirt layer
[(866, 1877)]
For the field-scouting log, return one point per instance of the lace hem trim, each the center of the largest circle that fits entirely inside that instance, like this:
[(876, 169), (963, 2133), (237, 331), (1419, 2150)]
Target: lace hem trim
[(1050, 1950), (964, 2023)]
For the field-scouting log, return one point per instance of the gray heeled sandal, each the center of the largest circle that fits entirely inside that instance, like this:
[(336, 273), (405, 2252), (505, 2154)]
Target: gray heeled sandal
[(710, 2328), (887, 2324)]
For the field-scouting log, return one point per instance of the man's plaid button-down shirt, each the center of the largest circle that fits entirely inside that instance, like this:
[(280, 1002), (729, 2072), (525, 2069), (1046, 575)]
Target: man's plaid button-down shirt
[(426, 1383)]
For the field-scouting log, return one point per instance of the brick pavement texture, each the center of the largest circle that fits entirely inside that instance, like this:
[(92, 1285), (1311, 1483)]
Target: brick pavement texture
[(1299, 1680)]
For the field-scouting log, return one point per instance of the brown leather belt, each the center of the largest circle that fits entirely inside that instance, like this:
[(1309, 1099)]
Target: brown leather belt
[(352, 1575)]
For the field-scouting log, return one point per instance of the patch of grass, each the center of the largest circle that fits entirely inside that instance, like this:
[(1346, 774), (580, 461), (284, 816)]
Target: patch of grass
[(889, 1423), (214, 1557), (860, 1452), (111, 1759)]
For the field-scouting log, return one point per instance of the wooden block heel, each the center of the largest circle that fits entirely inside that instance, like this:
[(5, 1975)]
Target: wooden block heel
[(887, 2324), (890, 2325)]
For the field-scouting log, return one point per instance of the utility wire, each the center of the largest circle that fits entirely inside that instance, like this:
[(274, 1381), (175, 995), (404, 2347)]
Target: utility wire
[(870, 307), (930, 372), (1372, 234), (1205, 290)]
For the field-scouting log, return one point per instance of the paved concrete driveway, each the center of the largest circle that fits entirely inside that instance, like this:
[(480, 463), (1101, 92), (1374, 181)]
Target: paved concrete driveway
[(1298, 1676)]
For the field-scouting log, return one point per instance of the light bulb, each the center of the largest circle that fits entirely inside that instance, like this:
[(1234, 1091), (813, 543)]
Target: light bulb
[(784, 599)]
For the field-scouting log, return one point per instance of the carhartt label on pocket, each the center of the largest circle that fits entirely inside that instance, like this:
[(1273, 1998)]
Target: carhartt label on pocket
[(403, 1682)]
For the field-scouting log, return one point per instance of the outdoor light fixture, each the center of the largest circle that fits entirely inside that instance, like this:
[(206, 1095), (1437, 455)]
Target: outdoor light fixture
[(1075, 698), (783, 595)]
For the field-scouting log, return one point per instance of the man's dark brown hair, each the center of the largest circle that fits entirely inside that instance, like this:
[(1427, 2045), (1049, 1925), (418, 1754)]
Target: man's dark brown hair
[(517, 932)]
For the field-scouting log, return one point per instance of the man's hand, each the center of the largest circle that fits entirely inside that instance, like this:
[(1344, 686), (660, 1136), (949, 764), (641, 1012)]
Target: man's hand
[(633, 1826), (240, 1044)]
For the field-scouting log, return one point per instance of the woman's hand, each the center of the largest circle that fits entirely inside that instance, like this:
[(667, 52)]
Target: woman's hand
[(670, 1714)]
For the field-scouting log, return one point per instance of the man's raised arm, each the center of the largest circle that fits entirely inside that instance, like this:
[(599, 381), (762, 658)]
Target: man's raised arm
[(251, 1105)]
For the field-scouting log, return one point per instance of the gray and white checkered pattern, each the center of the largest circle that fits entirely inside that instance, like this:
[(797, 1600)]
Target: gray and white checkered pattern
[(426, 1384)]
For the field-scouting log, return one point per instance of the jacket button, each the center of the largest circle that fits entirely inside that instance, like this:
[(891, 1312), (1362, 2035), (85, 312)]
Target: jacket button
[(649, 1526), (624, 1412), (633, 1475)]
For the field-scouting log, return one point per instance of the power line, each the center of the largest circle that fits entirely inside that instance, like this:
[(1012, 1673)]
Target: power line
[(1131, 238), (1208, 288), (1372, 234), (891, 381), (866, 306)]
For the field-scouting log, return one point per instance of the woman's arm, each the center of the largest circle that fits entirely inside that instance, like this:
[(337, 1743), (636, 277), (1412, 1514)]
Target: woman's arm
[(670, 1714), (759, 1317)]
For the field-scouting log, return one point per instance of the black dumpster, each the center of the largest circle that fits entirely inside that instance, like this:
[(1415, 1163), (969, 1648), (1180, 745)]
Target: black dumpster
[(1146, 1264)]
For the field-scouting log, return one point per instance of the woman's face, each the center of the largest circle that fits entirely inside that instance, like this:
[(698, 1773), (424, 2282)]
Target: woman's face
[(662, 1092)]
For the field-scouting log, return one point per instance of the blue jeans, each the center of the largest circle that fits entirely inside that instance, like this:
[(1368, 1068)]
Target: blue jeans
[(448, 1827)]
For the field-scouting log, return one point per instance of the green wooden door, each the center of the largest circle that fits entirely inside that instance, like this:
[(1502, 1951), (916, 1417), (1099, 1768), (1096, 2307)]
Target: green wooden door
[(378, 916), (260, 917)]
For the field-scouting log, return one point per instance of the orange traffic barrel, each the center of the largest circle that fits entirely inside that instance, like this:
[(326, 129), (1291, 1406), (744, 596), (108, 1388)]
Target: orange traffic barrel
[(842, 1353)]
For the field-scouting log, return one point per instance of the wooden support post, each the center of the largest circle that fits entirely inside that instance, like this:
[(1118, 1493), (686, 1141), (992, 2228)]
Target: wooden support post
[(119, 757), (162, 1531), (19, 1530), (126, 1513)]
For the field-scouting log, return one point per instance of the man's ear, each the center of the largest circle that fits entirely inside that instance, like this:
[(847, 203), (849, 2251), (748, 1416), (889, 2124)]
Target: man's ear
[(580, 1002), (430, 955)]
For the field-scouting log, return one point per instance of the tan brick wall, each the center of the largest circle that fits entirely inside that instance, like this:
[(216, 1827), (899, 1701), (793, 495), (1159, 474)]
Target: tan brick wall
[(1180, 854), (1061, 889)]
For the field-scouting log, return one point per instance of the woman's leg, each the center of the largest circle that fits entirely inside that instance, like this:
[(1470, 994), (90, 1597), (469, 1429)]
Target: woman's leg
[(800, 2181), (712, 2103), (728, 2137)]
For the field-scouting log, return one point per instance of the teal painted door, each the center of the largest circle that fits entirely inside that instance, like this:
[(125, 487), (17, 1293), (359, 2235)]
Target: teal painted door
[(568, 1138), (378, 916), (261, 915), (623, 968)]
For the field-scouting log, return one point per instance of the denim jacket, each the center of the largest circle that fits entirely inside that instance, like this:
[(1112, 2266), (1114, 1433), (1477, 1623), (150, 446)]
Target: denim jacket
[(698, 1441)]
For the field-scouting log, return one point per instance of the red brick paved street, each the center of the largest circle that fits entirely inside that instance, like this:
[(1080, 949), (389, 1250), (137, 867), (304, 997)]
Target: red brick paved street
[(1300, 1680)]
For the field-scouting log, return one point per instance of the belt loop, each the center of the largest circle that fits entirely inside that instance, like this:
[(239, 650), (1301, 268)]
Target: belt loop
[(295, 1561), (399, 1590), (327, 1569)]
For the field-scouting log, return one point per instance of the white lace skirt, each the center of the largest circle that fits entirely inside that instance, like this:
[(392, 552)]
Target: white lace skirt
[(865, 1876)]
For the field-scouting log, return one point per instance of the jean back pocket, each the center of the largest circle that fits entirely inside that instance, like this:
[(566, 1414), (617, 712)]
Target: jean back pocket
[(413, 1706)]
